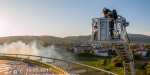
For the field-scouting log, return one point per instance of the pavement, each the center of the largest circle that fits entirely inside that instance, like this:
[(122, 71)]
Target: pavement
[(23, 69)]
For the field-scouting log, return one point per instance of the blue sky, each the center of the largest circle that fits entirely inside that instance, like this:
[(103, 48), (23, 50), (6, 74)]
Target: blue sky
[(63, 18)]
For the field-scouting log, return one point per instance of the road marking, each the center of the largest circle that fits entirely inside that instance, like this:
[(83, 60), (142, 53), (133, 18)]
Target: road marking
[(4, 68)]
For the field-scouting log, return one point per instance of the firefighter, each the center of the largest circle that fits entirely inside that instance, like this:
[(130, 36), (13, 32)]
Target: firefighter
[(111, 15), (95, 32)]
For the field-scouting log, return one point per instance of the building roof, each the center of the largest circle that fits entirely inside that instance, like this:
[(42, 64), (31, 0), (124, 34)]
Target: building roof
[(140, 49)]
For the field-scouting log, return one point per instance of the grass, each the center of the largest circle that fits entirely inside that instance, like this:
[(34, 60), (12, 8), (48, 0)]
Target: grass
[(81, 58), (107, 66), (101, 62)]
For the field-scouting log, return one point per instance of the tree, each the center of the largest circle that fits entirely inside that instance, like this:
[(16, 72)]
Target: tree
[(87, 53), (91, 52), (46, 44), (113, 60), (143, 66), (148, 68), (117, 62), (104, 61), (70, 50), (137, 56), (148, 51), (139, 72), (110, 52), (147, 55), (114, 52)]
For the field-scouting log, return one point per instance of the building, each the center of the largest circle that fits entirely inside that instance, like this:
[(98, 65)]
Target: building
[(76, 43), (79, 49), (141, 50), (101, 51), (96, 45), (134, 47)]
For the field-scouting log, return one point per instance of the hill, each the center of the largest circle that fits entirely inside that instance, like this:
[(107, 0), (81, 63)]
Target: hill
[(138, 38), (134, 38), (29, 38)]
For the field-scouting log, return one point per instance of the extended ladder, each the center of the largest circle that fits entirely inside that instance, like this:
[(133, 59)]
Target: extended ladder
[(125, 53)]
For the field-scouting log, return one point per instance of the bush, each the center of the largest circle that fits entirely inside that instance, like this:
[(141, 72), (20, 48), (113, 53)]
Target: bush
[(139, 72), (46, 44), (85, 54), (109, 52), (112, 52), (137, 56), (70, 50), (147, 55), (118, 64), (143, 66), (104, 61), (148, 68), (114, 60), (91, 52)]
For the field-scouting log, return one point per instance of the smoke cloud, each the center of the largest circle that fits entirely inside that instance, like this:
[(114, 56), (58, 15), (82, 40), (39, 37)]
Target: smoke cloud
[(19, 47)]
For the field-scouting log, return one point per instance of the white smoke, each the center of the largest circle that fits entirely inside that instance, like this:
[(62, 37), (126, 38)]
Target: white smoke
[(49, 52), (30, 49), (17, 48)]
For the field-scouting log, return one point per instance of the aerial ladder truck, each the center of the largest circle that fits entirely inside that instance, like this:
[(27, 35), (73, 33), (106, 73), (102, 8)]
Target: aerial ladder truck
[(120, 43)]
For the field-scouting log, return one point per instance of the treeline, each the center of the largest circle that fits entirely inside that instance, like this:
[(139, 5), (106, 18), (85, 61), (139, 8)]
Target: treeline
[(46, 44)]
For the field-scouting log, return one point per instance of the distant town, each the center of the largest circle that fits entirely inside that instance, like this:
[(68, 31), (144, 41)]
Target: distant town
[(106, 50)]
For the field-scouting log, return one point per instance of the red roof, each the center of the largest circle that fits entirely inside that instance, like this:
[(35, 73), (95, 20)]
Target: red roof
[(140, 49), (134, 46)]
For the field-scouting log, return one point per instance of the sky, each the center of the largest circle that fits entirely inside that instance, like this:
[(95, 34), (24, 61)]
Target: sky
[(63, 18)]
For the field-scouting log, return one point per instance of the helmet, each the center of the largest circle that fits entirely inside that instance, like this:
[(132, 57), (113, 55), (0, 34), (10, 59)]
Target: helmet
[(103, 10)]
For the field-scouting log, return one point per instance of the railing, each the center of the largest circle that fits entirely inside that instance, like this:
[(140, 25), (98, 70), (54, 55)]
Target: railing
[(45, 65), (86, 70)]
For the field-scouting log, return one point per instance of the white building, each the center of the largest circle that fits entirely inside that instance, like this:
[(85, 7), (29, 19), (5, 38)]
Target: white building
[(101, 51), (96, 45), (98, 50), (142, 51)]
